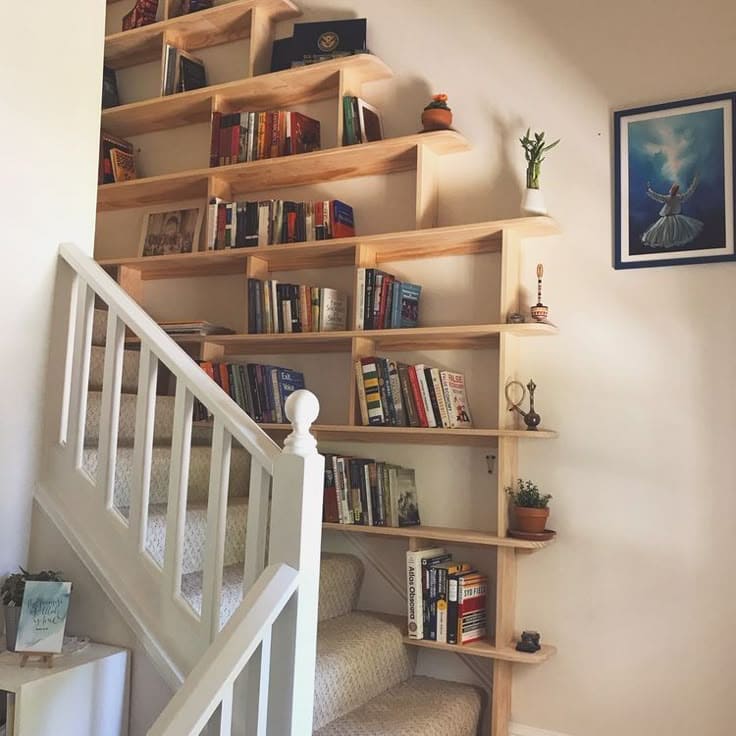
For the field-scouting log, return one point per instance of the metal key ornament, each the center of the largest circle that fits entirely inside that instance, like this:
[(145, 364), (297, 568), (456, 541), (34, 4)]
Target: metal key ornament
[(531, 418), (539, 312)]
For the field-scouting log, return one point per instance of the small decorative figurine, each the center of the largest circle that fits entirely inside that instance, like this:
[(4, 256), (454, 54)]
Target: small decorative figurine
[(531, 418), (539, 311), (529, 642), (515, 318), (437, 115), (534, 150)]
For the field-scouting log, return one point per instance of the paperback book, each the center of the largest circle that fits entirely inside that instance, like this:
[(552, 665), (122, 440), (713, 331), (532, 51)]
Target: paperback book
[(384, 302)]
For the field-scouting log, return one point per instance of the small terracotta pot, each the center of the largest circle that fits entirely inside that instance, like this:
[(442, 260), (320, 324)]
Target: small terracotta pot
[(530, 520), (437, 118)]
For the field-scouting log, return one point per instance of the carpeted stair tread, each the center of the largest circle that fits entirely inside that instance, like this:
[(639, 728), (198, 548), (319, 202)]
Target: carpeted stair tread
[(359, 656), (199, 473), (99, 327), (421, 706), (162, 425), (339, 585), (195, 534), (131, 360)]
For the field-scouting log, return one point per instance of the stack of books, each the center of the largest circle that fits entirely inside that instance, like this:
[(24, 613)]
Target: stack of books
[(369, 493), (260, 390), (362, 122), (400, 395), (195, 327), (275, 307), (117, 160), (384, 302), (252, 136), (275, 222), (446, 600), (181, 72)]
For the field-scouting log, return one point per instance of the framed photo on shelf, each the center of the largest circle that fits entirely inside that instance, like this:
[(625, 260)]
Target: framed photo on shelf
[(371, 127), (43, 617), (674, 183), (166, 231)]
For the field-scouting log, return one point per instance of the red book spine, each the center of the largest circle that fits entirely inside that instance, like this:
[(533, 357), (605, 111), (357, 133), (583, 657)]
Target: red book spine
[(215, 139), (234, 144), (224, 378), (331, 514), (418, 402), (385, 288)]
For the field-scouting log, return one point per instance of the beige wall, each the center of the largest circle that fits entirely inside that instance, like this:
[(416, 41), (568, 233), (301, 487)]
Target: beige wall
[(50, 81), (635, 591)]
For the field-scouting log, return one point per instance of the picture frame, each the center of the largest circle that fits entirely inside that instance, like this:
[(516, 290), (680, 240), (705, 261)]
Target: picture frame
[(674, 183), (43, 617), (168, 231), (369, 119)]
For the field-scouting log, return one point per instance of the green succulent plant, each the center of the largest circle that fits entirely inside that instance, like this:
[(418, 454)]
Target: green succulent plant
[(527, 496), (13, 587), (535, 150)]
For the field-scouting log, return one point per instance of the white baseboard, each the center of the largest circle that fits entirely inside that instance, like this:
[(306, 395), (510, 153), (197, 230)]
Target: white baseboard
[(518, 729)]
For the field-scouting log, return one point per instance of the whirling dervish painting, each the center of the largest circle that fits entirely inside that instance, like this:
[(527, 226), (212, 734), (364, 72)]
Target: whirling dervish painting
[(674, 183)]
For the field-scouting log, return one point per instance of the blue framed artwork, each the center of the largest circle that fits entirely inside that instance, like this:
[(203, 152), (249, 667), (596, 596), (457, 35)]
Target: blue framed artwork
[(674, 172)]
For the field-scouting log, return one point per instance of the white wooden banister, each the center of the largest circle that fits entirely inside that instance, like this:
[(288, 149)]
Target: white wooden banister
[(269, 643)]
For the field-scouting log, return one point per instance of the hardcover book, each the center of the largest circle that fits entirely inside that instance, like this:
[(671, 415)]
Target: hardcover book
[(123, 165), (414, 593)]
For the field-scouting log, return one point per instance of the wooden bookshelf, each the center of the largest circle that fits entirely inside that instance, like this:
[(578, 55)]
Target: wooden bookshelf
[(389, 156), (263, 92), (420, 153), (220, 24), (486, 649), (439, 534), (475, 239)]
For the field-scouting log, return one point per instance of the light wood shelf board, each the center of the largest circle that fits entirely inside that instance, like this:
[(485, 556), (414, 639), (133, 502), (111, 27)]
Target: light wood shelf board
[(440, 534), (466, 337), (220, 24), (487, 650), (267, 91), (412, 435), (382, 157), (459, 239)]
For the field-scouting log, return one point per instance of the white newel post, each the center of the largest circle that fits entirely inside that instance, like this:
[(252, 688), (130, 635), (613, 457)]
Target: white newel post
[(296, 538)]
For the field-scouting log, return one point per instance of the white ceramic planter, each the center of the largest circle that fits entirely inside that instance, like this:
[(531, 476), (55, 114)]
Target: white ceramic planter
[(533, 202)]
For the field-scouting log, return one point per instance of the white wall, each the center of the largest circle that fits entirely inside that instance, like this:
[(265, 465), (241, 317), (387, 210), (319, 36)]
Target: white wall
[(50, 81)]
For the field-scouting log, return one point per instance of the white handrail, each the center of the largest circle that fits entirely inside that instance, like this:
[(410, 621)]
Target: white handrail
[(213, 677), (243, 429)]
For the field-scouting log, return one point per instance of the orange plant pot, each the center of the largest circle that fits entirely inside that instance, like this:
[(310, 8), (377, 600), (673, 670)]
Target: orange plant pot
[(530, 520), (436, 118)]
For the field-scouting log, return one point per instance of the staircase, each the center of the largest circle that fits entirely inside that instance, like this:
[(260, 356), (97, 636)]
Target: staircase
[(215, 565)]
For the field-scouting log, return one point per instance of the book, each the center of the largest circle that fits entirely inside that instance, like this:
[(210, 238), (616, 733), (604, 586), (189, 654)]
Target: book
[(123, 165), (333, 315), (408, 305), (414, 592), (456, 399), (197, 327), (407, 505), (443, 570), (424, 396), (110, 96), (191, 73), (371, 387), (107, 144), (169, 65), (469, 614)]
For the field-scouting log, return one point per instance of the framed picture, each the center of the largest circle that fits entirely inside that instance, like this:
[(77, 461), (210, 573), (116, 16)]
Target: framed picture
[(43, 617), (371, 127), (674, 179), (167, 231)]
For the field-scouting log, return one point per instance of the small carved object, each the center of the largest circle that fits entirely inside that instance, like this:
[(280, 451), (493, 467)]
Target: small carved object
[(515, 318), (531, 418), (539, 311), (529, 642)]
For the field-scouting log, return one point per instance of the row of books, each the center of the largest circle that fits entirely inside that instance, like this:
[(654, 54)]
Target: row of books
[(401, 395), (362, 122), (276, 221), (446, 600), (252, 136), (369, 493), (275, 307), (385, 302), (260, 390), (117, 160), (180, 71)]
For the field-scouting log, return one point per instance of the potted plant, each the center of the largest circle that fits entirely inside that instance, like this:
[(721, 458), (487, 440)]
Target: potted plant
[(531, 508), (11, 593), (534, 149), (437, 115)]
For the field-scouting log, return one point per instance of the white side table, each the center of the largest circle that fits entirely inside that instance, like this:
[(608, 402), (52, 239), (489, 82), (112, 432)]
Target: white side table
[(85, 693)]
